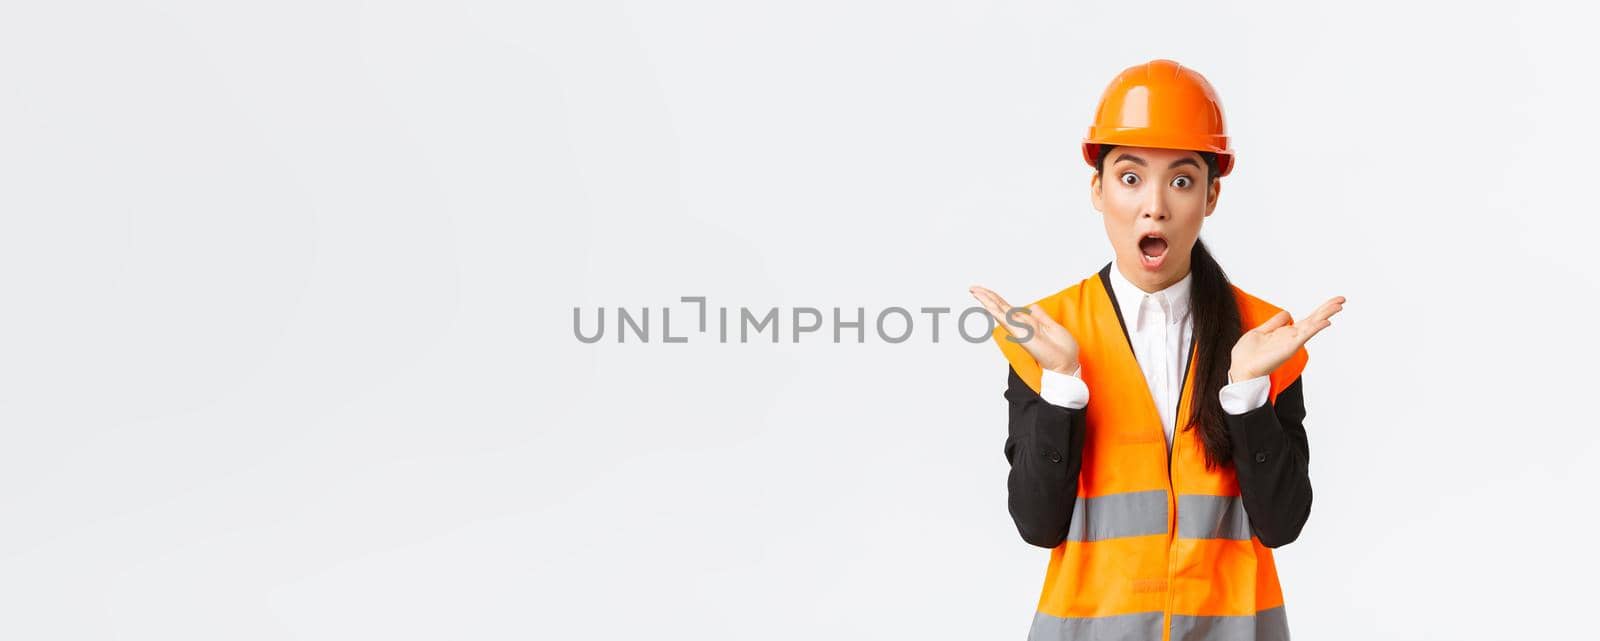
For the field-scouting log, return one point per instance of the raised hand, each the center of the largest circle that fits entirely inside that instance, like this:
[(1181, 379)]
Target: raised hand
[(1050, 344), (1261, 350)]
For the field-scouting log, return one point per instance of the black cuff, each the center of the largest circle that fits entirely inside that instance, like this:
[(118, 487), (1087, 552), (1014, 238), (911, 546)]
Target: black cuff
[(1257, 435)]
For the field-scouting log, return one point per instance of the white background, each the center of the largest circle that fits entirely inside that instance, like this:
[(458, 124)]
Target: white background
[(288, 287)]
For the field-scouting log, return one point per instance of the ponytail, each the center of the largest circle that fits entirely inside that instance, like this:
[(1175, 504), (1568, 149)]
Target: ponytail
[(1217, 328)]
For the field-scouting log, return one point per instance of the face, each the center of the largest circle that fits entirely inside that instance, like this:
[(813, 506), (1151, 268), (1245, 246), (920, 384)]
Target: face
[(1153, 202)]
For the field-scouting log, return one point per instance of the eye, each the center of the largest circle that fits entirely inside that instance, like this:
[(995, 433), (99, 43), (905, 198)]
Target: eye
[(1130, 178), (1181, 182)]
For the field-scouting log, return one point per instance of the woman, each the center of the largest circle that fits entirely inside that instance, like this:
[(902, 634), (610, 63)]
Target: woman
[(1160, 509)]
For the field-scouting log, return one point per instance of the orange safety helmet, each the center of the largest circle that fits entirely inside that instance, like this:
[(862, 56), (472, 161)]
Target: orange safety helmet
[(1160, 104)]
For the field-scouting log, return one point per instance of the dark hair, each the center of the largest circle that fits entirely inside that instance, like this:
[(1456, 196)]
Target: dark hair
[(1217, 327)]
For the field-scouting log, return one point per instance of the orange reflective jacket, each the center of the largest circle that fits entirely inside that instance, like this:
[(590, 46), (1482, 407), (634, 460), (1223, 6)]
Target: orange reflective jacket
[(1157, 548)]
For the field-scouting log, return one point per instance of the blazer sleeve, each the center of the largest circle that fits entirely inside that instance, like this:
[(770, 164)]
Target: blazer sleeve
[(1045, 450), (1270, 455)]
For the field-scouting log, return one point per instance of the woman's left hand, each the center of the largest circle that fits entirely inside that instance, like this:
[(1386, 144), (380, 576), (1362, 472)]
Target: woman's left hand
[(1261, 350)]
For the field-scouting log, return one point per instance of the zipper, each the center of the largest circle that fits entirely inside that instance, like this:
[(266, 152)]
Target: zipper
[(1172, 498)]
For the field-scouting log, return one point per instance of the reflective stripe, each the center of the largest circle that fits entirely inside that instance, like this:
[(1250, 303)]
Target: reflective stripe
[(1267, 625), (1117, 515), (1143, 626), (1202, 516)]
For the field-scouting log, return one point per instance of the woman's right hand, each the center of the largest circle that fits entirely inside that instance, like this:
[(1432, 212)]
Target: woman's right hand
[(1050, 344)]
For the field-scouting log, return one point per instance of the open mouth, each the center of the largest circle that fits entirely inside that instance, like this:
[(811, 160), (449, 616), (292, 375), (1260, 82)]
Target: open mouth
[(1152, 251)]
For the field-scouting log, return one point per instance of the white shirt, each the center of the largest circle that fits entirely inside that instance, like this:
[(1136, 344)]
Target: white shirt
[(1160, 328)]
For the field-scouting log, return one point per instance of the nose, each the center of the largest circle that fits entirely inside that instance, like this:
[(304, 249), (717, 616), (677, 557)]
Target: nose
[(1154, 205)]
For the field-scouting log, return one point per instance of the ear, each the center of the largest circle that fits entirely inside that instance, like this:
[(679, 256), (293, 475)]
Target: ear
[(1212, 194), (1095, 197)]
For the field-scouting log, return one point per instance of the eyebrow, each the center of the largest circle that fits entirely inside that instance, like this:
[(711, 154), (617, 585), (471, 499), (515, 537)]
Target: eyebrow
[(1140, 161)]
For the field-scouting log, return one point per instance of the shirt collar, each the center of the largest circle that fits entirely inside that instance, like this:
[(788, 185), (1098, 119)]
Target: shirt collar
[(1130, 297)]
